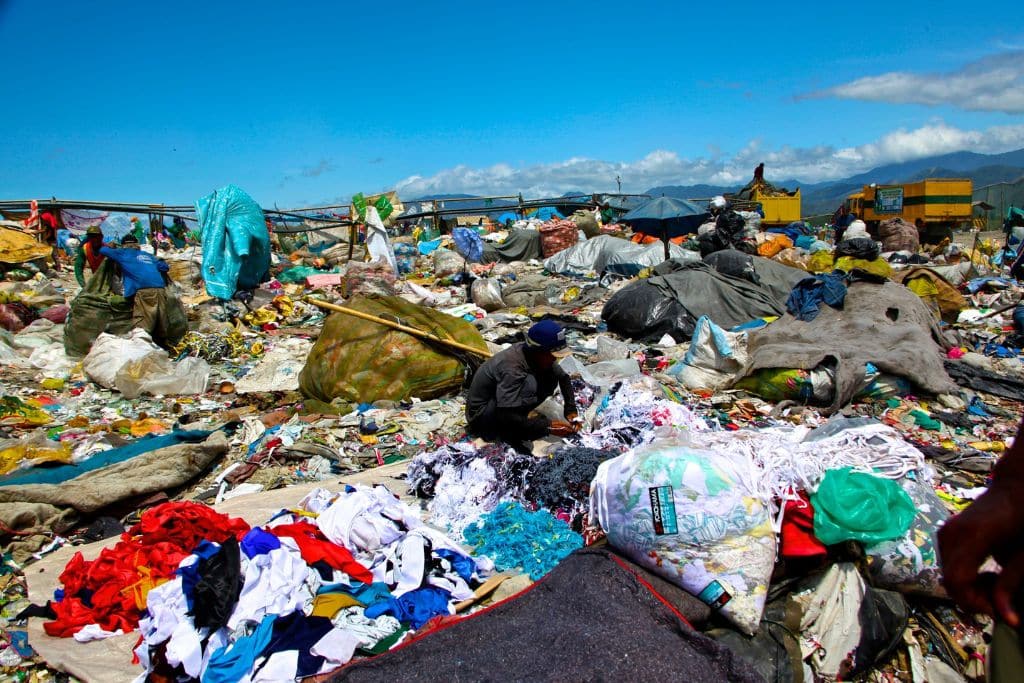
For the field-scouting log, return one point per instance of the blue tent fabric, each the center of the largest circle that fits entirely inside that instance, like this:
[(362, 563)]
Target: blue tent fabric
[(236, 244), (62, 473), (507, 217), (666, 215), (469, 244), (546, 213)]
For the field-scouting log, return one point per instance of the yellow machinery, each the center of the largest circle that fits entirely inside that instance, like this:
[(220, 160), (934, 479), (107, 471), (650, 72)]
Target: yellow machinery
[(939, 202), (780, 208)]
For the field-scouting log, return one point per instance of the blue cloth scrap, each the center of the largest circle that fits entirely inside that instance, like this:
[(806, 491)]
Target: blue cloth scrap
[(804, 242), (259, 542), (190, 574), (808, 295), (299, 632), (978, 407), (62, 473), (513, 536), (414, 608), (464, 566), (977, 283), (19, 641), (233, 662)]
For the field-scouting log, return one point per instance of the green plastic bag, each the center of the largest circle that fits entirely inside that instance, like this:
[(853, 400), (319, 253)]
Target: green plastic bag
[(359, 201), (384, 207), (95, 310), (857, 506)]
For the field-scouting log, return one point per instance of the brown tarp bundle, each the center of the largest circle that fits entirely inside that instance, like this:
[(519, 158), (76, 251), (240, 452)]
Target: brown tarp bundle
[(899, 235), (42, 508), (361, 361), (935, 291)]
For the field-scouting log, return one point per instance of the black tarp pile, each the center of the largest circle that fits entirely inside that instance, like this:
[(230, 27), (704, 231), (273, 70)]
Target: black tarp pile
[(594, 617), (672, 301)]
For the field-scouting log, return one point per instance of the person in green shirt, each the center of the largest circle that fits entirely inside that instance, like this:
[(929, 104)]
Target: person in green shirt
[(88, 252)]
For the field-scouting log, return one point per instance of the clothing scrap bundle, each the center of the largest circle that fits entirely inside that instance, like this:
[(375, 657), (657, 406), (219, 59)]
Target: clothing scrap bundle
[(625, 416), (340, 574), (464, 482)]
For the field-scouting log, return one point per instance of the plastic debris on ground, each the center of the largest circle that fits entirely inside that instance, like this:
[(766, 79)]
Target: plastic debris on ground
[(745, 486)]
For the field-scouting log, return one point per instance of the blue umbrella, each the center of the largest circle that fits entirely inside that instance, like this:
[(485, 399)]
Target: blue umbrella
[(666, 217)]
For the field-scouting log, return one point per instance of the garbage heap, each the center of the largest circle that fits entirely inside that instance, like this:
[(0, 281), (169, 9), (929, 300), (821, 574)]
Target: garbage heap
[(772, 437)]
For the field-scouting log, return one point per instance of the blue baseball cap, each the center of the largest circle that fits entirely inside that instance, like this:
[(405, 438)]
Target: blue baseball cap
[(547, 335)]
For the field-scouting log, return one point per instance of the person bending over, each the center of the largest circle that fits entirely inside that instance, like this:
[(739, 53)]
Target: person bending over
[(513, 383)]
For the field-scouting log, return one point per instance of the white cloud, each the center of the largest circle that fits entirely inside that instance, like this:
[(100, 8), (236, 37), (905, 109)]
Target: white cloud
[(665, 167), (993, 83)]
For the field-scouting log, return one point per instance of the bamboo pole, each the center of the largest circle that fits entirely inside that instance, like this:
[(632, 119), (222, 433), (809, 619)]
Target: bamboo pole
[(402, 328)]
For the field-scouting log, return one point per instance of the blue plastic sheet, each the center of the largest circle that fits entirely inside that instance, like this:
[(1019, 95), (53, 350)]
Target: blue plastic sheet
[(236, 244), (428, 247), (977, 283)]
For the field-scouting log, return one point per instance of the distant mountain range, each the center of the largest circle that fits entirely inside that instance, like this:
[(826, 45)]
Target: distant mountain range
[(825, 197)]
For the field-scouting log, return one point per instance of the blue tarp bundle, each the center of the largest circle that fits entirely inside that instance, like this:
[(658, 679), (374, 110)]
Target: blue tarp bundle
[(62, 473), (236, 244)]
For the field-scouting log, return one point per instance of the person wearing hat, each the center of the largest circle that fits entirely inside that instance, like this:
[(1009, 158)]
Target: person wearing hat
[(143, 286), (88, 252), (511, 384)]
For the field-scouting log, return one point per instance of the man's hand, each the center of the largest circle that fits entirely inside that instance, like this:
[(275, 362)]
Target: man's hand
[(560, 428), (992, 526), (574, 421)]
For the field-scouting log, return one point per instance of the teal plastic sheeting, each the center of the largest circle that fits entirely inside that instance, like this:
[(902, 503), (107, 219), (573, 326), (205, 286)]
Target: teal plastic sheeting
[(236, 244), (61, 473)]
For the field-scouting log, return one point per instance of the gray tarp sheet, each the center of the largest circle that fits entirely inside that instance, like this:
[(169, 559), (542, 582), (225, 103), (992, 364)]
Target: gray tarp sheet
[(672, 303), (522, 244), (883, 324), (615, 255)]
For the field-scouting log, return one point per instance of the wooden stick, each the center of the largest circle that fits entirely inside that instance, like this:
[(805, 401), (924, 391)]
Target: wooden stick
[(402, 328), (1004, 309)]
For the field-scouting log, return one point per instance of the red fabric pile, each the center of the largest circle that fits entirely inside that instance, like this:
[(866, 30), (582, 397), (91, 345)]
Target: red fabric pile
[(111, 590), (314, 547)]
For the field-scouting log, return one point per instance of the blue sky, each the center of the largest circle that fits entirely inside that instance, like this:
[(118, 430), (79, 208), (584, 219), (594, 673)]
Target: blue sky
[(305, 103)]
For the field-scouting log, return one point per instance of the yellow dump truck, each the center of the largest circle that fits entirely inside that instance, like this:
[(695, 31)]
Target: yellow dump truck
[(780, 206), (941, 203)]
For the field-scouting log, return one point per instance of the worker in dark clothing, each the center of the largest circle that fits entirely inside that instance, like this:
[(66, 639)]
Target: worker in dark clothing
[(88, 254), (143, 286), (759, 174), (515, 381)]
